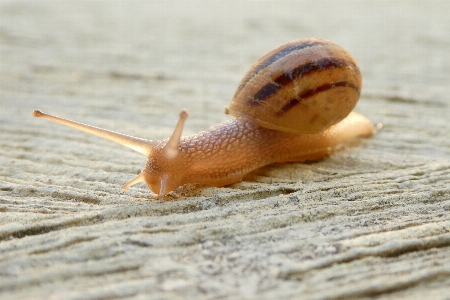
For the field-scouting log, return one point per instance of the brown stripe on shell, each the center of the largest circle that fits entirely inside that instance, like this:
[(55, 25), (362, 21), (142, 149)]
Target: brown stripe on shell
[(283, 80), (313, 92), (280, 53)]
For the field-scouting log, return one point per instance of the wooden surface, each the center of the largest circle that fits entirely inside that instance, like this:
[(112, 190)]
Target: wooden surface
[(370, 221)]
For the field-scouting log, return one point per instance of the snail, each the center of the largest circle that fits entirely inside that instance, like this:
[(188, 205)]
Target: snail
[(293, 105)]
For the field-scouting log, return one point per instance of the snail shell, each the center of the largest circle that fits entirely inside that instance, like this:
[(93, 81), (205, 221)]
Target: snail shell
[(302, 86)]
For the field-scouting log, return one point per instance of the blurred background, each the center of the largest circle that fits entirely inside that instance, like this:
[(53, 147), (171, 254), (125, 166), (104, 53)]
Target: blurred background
[(157, 56)]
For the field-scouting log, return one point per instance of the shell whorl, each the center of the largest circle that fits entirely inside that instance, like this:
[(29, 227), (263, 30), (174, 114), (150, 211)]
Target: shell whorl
[(303, 86)]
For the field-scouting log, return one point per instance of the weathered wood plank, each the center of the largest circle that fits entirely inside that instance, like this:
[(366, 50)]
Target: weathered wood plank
[(370, 220)]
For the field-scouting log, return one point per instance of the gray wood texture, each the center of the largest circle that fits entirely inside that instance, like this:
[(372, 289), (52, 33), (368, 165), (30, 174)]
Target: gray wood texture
[(369, 221)]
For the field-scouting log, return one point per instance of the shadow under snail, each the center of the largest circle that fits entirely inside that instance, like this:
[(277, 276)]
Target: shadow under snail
[(293, 105)]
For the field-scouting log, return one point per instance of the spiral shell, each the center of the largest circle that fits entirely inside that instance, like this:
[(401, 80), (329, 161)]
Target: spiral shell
[(303, 86)]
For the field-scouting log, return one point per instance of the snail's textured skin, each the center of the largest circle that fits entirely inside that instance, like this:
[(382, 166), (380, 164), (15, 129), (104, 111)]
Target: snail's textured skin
[(225, 153)]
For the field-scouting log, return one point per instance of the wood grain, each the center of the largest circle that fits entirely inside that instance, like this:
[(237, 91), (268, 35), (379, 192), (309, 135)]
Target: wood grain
[(370, 221)]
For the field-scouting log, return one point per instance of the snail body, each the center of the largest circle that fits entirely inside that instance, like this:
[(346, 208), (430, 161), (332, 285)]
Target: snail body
[(293, 105)]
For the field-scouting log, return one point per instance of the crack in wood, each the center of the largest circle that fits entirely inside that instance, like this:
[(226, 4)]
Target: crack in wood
[(389, 249)]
